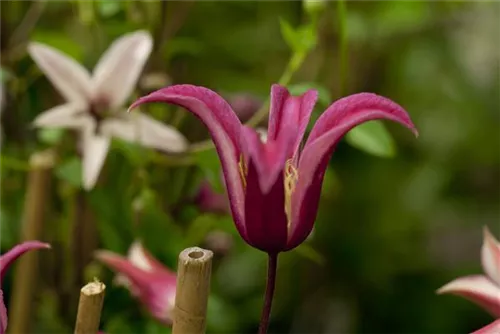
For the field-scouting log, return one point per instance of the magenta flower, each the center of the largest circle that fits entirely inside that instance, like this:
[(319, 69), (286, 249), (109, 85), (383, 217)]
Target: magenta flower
[(274, 187), (483, 290), (493, 328), (5, 261), (146, 278)]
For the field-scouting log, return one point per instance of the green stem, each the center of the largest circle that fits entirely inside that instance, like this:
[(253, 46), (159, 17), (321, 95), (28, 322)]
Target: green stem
[(343, 47)]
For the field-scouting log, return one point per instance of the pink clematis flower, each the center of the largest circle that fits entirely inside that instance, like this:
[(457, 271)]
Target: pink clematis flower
[(274, 186), (483, 290), (493, 328), (5, 261), (93, 102), (146, 278)]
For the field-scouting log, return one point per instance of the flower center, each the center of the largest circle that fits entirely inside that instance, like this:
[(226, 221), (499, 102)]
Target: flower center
[(290, 181)]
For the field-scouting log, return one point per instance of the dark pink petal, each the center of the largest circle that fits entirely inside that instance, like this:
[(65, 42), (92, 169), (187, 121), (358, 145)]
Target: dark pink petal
[(290, 113), (208, 200), (224, 127), (333, 124), (478, 289), (265, 213), (18, 250), (490, 256), (493, 328), (3, 314)]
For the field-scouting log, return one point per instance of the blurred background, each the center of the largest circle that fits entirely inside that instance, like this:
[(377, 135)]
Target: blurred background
[(399, 217)]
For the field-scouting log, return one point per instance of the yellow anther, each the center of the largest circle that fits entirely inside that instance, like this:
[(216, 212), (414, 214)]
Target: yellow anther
[(290, 180), (243, 171)]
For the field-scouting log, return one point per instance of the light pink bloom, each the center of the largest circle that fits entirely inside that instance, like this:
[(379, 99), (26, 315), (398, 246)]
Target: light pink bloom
[(94, 101), (146, 278), (493, 328), (5, 262), (483, 290)]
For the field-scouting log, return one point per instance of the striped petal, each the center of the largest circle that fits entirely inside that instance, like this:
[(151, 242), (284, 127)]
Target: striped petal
[(490, 256)]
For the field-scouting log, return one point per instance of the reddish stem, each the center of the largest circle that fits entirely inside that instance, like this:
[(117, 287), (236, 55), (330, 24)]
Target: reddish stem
[(268, 299)]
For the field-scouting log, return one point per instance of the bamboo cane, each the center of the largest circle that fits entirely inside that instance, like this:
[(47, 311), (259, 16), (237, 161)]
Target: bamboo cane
[(89, 308)]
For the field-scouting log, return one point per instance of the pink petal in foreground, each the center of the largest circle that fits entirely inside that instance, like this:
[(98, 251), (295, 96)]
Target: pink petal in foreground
[(493, 328), (490, 256), (290, 113), (71, 79), (3, 314), (332, 125), (118, 70), (224, 127), (18, 250), (477, 288)]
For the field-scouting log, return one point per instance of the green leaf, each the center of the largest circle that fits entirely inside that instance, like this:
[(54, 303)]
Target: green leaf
[(63, 42), (300, 40), (71, 171), (108, 8), (310, 253), (210, 165), (289, 34), (324, 98), (373, 138), (50, 136)]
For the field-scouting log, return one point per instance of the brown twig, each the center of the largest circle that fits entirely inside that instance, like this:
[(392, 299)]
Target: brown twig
[(193, 288), (36, 202), (89, 308)]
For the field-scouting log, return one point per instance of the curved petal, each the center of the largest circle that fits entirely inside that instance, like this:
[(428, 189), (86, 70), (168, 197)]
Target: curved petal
[(332, 125), (3, 314), (155, 289), (146, 131), (95, 149), (18, 250), (290, 113), (141, 258), (70, 78), (265, 192), (477, 288), (224, 127), (118, 70), (68, 115), (490, 256), (493, 328)]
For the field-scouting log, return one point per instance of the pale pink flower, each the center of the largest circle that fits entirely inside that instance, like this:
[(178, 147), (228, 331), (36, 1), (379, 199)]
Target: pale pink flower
[(94, 101)]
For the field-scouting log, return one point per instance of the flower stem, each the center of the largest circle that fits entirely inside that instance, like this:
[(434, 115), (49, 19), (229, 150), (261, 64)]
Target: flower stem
[(268, 299)]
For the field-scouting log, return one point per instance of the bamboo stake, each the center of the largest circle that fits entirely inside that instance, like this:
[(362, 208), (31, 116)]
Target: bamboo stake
[(193, 288), (26, 272), (89, 308)]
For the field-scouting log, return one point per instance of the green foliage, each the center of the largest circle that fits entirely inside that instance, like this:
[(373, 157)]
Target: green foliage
[(387, 231)]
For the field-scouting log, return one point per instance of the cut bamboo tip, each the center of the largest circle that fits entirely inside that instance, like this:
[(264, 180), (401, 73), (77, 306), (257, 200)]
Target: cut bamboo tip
[(89, 308), (193, 287), (43, 159)]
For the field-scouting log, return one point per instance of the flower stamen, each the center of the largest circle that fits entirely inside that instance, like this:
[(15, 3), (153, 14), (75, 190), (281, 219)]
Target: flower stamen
[(243, 171), (290, 180)]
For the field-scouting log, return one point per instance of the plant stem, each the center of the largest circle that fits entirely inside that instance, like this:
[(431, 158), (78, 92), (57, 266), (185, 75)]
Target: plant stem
[(193, 287), (89, 308), (268, 299), (34, 215), (343, 47)]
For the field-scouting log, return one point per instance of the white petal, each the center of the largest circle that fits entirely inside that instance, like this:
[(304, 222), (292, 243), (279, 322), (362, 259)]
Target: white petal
[(116, 74), (490, 256), (262, 133), (68, 115), (70, 78), (95, 149), (140, 128), (477, 288), (138, 257)]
